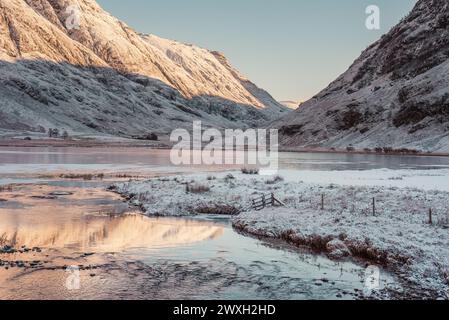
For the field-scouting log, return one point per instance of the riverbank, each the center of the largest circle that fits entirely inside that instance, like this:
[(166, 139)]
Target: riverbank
[(363, 152), (164, 143), (52, 231), (84, 143), (396, 234)]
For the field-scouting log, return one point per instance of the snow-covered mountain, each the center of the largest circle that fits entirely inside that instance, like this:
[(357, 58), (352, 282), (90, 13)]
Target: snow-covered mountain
[(103, 77), (396, 94)]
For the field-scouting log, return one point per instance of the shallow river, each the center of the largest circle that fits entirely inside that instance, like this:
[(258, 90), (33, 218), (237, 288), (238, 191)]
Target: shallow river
[(72, 230)]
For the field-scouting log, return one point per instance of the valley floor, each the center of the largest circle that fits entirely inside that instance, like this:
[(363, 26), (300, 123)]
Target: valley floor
[(396, 233)]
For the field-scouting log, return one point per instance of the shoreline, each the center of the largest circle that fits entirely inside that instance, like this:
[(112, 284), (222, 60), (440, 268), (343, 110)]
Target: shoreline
[(396, 237), (97, 260), (414, 291), (317, 246), (361, 152), (166, 145), (84, 143), (307, 228)]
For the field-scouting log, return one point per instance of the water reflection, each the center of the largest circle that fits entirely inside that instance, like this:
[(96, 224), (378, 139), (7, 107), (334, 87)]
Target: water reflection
[(108, 234), (90, 220), (343, 161), (128, 256), (30, 162)]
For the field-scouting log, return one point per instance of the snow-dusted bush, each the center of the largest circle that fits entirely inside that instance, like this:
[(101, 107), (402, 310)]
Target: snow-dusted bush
[(274, 180), (197, 188), (251, 171)]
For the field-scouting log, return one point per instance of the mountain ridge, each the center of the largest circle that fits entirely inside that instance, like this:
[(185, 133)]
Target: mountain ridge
[(394, 95), (181, 81)]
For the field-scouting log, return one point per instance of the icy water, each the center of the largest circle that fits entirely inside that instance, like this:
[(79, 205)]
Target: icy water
[(40, 161), (121, 254), (68, 228)]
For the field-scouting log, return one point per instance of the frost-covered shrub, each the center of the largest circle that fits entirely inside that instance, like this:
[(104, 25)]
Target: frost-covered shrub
[(274, 180), (443, 221), (252, 171), (197, 188)]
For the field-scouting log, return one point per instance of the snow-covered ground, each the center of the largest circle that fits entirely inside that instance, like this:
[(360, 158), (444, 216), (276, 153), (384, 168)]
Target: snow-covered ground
[(421, 179), (398, 235)]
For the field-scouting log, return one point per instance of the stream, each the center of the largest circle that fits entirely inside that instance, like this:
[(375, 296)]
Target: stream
[(75, 240)]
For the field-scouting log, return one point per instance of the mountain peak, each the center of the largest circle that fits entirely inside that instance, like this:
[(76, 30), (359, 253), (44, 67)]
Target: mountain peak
[(190, 81), (394, 95)]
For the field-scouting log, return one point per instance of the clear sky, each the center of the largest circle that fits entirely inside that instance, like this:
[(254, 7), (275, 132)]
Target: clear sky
[(291, 48)]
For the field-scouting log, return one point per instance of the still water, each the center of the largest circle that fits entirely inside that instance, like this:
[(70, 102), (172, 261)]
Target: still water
[(121, 254), (118, 253), (32, 161)]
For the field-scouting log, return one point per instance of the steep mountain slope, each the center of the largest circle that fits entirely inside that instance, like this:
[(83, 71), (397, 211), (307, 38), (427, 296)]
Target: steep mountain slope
[(104, 77), (396, 94)]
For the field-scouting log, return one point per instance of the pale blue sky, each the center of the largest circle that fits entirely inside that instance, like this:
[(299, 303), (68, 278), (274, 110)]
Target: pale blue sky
[(292, 48)]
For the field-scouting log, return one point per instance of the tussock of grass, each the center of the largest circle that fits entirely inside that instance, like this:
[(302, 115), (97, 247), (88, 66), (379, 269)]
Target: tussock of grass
[(274, 180), (82, 176), (217, 209), (197, 188), (4, 240), (7, 188), (252, 171), (229, 178)]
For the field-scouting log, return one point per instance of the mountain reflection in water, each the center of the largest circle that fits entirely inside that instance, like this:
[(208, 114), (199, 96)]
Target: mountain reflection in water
[(105, 234), (73, 221)]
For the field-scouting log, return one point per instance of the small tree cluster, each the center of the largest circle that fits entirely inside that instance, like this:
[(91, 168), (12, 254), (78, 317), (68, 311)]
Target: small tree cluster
[(390, 150), (350, 149), (149, 136), (54, 133)]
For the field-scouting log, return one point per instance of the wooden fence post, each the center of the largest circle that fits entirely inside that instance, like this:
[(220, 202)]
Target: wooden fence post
[(430, 216), (322, 202), (374, 206)]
